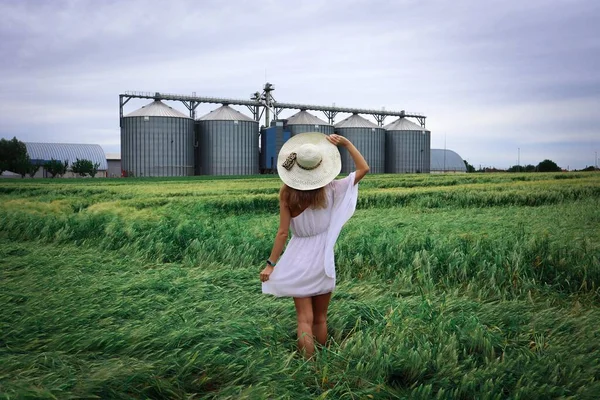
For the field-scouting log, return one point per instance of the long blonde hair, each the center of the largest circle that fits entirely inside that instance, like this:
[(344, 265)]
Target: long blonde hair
[(300, 199)]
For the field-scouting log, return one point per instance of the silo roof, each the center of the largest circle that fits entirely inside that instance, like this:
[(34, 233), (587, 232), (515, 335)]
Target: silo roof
[(225, 113), (157, 109), (452, 162), (305, 118), (356, 121), (402, 124), (67, 151)]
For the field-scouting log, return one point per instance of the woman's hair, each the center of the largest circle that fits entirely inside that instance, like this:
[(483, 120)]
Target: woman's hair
[(315, 198)]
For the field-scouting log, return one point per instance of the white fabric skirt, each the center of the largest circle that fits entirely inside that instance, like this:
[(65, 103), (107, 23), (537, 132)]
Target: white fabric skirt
[(300, 272)]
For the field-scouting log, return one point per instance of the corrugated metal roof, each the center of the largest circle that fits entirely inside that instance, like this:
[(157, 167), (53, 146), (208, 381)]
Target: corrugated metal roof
[(356, 121), (402, 124), (157, 109), (67, 151), (225, 113), (453, 161), (305, 118)]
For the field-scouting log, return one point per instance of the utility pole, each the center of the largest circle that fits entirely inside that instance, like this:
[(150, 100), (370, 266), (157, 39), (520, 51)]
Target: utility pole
[(444, 151)]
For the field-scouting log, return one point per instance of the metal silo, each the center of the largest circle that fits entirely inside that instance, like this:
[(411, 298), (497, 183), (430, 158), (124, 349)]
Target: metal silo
[(271, 141), (408, 147), (228, 143), (368, 138), (427, 159), (305, 122), (157, 140)]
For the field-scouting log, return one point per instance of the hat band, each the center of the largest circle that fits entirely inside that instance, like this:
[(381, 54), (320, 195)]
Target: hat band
[(292, 159)]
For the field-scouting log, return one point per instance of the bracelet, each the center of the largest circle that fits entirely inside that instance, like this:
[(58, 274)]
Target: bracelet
[(269, 262)]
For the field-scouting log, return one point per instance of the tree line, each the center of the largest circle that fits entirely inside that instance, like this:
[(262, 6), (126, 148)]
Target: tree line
[(542, 166), (14, 158)]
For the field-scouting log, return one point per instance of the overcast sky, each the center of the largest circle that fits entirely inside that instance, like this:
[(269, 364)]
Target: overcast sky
[(491, 76)]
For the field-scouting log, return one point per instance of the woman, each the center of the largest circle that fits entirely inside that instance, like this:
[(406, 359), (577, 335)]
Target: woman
[(315, 207)]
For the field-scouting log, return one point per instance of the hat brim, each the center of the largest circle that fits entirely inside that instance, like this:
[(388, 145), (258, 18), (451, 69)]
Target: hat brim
[(301, 179)]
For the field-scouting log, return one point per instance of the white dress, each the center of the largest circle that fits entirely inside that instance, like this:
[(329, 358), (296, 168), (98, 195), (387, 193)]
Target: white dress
[(307, 266)]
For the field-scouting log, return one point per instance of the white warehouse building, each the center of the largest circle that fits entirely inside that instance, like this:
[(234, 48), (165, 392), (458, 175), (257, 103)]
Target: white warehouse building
[(444, 160), (43, 152)]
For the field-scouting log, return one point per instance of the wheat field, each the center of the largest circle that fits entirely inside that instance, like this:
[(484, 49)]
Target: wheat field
[(464, 286)]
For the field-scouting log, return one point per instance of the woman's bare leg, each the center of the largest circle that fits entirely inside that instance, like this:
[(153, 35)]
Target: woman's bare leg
[(320, 304), (304, 314)]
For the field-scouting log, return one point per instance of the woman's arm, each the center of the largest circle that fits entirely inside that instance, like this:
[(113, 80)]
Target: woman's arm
[(281, 236), (362, 168)]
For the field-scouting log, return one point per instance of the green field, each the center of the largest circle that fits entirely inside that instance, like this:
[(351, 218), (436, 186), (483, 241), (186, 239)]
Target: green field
[(481, 286)]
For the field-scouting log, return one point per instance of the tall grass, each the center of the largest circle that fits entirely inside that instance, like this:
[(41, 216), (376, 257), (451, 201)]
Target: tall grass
[(448, 287)]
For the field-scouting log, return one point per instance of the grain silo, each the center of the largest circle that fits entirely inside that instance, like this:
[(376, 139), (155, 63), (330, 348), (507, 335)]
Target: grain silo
[(227, 143), (157, 140), (368, 138), (304, 121), (427, 159), (271, 141), (407, 147)]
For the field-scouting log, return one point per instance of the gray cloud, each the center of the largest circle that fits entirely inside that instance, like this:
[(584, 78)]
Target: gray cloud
[(491, 76)]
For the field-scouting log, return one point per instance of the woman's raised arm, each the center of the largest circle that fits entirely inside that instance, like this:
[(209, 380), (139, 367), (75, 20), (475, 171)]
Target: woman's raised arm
[(362, 168)]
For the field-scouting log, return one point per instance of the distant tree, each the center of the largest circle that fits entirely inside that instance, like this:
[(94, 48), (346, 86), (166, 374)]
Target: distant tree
[(590, 168), (470, 168), (548, 166), (515, 168), (4, 155), (13, 154), (94, 169), (56, 167), (529, 168), (490, 169), (85, 167), (81, 167), (22, 165), (33, 169)]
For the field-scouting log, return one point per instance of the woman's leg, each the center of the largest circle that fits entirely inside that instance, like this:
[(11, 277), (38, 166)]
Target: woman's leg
[(319, 310), (304, 314)]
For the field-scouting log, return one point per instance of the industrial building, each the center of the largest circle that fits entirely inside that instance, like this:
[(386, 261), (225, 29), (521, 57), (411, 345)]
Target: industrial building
[(113, 161), (157, 140), (271, 141), (444, 160), (40, 153), (368, 138), (303, 121), (227, 143), (407, 147)]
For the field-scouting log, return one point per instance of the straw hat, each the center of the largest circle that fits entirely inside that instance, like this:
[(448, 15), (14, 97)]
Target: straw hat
[(308, 161)]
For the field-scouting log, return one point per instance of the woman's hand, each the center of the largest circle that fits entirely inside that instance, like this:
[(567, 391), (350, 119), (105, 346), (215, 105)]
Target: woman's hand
[(338, 140), (362, 168), (264, 274)]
